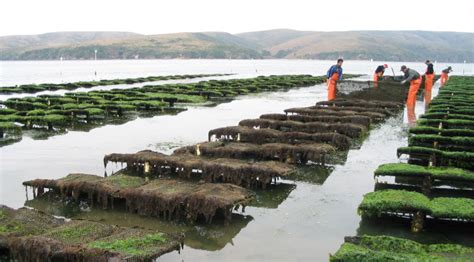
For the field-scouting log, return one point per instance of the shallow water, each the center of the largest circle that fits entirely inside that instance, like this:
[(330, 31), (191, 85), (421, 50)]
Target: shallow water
[(83, 152), (28, 72), (304, 220)]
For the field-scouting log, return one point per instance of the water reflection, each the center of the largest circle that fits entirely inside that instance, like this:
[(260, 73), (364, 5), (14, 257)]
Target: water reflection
[(211, 237), (272, 196), (43, 133), (314, 174)]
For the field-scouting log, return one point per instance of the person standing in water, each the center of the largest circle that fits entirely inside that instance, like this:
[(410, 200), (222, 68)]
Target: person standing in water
[(429, 78), (445, 75), (334, 75), (379, 71), (414, 78)]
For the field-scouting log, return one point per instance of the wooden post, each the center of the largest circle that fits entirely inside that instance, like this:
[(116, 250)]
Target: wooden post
[(417, 222), (427, 184), (147, 167), (198, 151)]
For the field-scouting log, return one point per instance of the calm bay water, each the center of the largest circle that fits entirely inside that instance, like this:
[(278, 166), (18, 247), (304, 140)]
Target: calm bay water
[(28, 72), (311, 218)]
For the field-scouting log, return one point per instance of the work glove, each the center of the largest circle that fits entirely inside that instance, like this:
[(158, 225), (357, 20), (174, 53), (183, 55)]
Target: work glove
[(403, 82)]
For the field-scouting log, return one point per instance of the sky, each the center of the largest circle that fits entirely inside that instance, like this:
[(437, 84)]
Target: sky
[(20, 17)]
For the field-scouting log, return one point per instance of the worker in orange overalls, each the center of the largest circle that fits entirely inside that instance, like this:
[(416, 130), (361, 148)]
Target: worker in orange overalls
[(379, 71), (429, 78), (414, 78), (334, 74), (445, 75)]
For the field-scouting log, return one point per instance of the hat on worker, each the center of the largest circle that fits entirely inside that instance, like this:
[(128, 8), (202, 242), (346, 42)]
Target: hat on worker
[(403, 67)]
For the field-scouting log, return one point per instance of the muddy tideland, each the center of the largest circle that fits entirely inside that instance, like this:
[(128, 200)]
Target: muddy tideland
[(290, 178)]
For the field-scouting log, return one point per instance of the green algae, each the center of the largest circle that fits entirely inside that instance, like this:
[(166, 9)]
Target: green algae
[(401, 201), (387, 248), (452, 207), (34, 88), (376, 203), (462, 159), (29, 235), (450, 123), (442, 132), (137, 246), (124, 181), (401, 169), (78, 232)]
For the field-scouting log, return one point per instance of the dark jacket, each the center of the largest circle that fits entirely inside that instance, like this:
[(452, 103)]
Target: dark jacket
[(430, 69), (447, 71), (379, 69)]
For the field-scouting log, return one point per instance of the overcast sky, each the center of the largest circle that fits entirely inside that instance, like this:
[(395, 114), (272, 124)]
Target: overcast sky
[(167, 16)]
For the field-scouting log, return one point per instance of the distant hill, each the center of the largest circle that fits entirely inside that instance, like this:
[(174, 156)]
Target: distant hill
[(278, 43), (22, 43), (377, 45)]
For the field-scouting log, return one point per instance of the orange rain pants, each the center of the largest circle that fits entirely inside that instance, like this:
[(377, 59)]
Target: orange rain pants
[(428, 87), (444, 78), (411, 116), (376, 78), (414, 86), (332, 86)]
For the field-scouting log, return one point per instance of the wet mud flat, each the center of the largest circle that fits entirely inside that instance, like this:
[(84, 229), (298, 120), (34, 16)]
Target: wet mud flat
[(433, 191), (244, 164)]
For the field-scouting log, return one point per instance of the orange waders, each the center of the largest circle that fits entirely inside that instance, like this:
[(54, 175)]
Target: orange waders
[(411, 100), (444, 78), (376, 78), (411, 116), (332, 86), (414, 86), (428, 86)]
